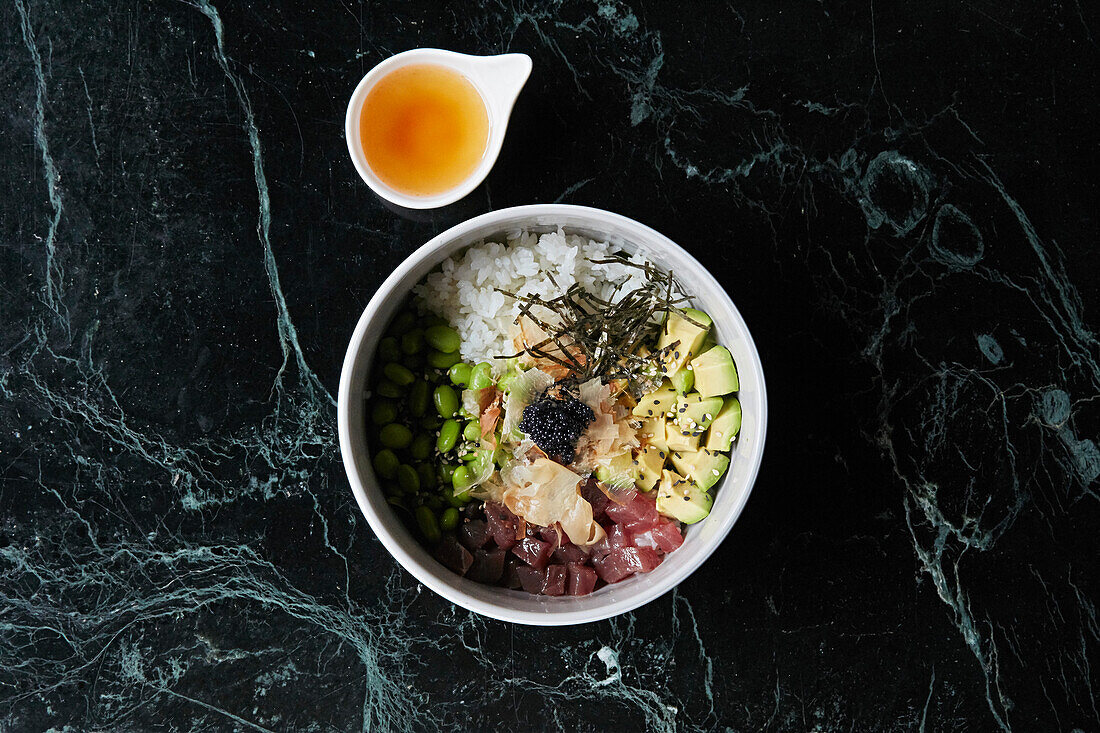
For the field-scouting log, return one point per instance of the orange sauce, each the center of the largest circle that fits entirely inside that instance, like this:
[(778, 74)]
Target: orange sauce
[(424, 129)]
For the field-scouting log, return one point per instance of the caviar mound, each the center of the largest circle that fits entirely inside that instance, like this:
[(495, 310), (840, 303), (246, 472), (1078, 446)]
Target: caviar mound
[(555, 423)]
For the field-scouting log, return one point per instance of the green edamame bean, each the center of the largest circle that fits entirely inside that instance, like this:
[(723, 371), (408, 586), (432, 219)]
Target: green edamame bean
[(418, 398), (431, 421), (402, 322), (421, 446), (481, 376), (396, 501), (386, 388), (412, 342), (445, 471), (399, 375), (384, 412), (459, 498), (433, 320), (394, 490), (385, 463), (459, 374), (472, 431), (408, 479), (461, 479), (427, 476), (440, 360), (442, 338), (396, 436), (448, 522), (505, 382), (448, 435), (469, 457), (446, 401), (388, 350), (429, 526)]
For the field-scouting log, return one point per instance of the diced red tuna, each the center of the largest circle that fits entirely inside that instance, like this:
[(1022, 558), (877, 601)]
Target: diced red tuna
[(591, 493), (474, 534), (582, 579), (667, 536), (555, 580), (502, 524), (623, 562), (488, 565), (552, 535), (535, 553), (639, 514), (532, 580), (512, 565), (454, 555), (568, 553)]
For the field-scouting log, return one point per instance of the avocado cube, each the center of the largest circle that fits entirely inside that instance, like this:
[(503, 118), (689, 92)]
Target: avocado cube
[(681, 499), (657, 402), (725, 426), (676, 438), (647, 467), (686, 336), (703, 466), (653, 433), (715, 373), (617, 471), (695, 413)]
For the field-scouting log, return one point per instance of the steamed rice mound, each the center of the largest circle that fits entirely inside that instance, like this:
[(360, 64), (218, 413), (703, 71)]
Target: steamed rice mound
[(464, 289)]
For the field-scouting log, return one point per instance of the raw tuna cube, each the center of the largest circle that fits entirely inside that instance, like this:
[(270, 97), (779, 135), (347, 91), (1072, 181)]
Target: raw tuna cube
[(474, 534), (555, 580), (532, 580), (570, 553), (535, 553), (624, 562), (667, 536), (488, 565), (582, 579), (511, 574), (551, 535), (640, 513), (502, 524), (591, 493), (454, 555)]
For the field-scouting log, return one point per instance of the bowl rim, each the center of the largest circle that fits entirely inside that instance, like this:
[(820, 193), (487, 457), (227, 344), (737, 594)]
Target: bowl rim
[(359, 489)]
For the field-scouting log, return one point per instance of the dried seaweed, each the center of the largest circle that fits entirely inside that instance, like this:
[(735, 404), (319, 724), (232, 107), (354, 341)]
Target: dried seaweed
[(606, 334)]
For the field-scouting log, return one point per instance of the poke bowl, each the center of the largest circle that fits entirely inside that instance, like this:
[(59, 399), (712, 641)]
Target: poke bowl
[(551, 414)]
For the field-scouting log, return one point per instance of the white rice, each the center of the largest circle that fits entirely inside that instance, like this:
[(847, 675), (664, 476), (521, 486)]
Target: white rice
[(464, 290)]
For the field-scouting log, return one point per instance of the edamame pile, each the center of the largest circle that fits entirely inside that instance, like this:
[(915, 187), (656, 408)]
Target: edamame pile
[(426, 447)]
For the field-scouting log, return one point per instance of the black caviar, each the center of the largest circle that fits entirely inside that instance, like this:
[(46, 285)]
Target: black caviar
[(555, 422)]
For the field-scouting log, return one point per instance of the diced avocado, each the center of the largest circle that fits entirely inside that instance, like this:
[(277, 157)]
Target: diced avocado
[(715, 373), (647, 468), (688, 334), (679, 439), (703, 466), (618, 471), (694, 413), (653, 432), (681, 499), (725, 426), (656, 403), (683, 380)]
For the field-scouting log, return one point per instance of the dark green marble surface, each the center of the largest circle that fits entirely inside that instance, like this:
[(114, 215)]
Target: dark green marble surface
[(901, 199)]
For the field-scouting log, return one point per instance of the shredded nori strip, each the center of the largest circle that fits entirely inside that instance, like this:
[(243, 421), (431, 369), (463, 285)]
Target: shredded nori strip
[(607, 334)]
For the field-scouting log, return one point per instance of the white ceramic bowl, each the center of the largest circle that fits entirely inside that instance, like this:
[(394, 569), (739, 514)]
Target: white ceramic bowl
[(700, 540)]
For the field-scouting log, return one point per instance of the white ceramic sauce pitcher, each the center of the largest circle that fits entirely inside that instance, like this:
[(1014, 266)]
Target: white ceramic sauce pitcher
[(498, 79)]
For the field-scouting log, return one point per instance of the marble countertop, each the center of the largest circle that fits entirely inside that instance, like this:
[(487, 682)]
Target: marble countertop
[(901, 201)]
